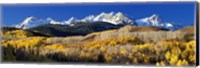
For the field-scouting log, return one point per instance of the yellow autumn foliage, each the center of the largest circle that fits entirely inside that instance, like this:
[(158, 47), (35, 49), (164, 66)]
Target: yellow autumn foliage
[(27, 43), (55, 47), (17, 34), (125, 49)]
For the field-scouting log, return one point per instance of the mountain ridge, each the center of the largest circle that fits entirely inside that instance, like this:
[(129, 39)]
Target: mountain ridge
[(82, 29), (114, 18)]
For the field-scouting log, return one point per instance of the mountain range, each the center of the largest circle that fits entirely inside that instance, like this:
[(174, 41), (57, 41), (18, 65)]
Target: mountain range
[(113, 18)]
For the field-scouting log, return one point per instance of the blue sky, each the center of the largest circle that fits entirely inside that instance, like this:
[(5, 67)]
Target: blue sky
[(178, 12)]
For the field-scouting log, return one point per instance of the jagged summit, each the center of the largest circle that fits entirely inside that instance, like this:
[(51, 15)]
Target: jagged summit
[(156, 20), (113, 18), (27, 21), (152, 20), (71, 21)]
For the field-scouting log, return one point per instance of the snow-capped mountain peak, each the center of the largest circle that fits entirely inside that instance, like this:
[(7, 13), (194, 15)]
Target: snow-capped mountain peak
[(26, 21), (51, 21), (71, 21), (32, 21), (29, 19), (49, 18), (103, 16), (152, 20), (88, 18), (155, 20), (111, 13), (119, 14), (113, 18)]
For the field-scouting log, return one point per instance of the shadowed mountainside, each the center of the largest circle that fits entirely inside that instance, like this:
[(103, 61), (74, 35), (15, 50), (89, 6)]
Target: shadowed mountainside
[(80, 28)]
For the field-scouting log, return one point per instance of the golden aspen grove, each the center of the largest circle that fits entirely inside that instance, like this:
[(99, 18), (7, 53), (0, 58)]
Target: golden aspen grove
[(121, 49)]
